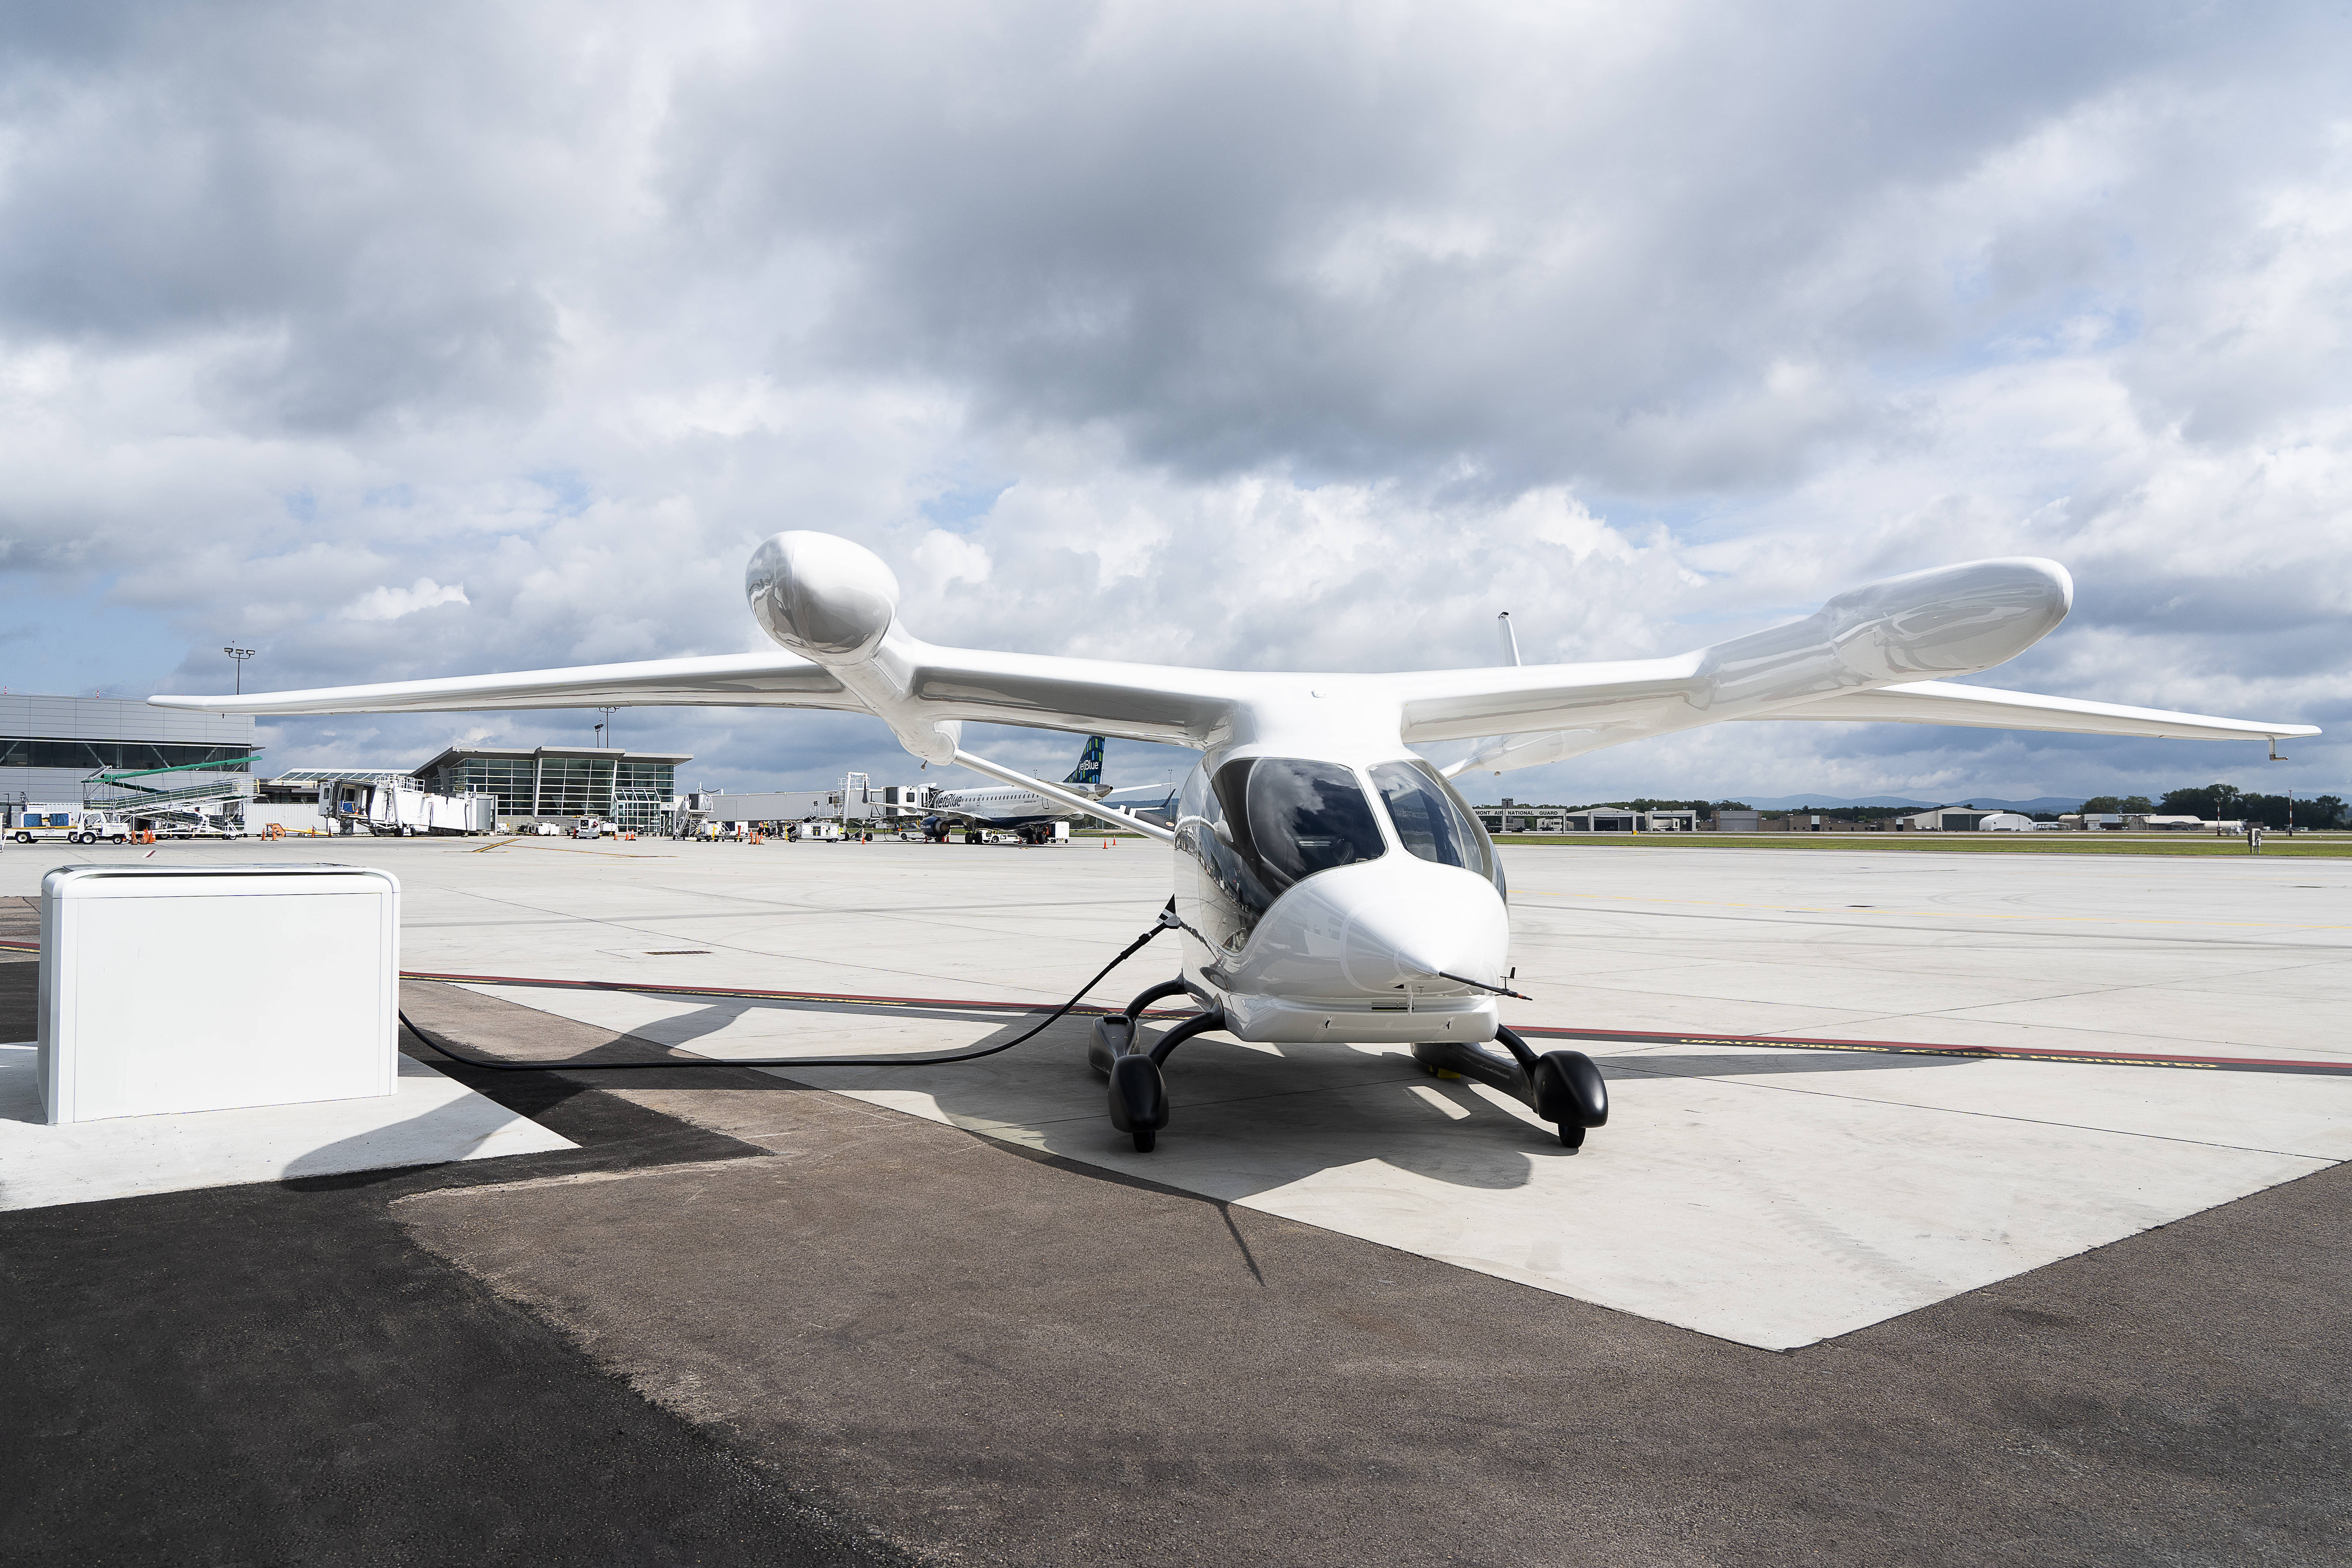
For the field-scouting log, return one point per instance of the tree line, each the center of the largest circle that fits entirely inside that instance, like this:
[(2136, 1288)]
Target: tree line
[(2226, 803), (2209, 803)]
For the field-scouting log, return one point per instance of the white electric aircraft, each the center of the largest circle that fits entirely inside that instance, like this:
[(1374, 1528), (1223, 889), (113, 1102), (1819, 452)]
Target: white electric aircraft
[(1329, 884)]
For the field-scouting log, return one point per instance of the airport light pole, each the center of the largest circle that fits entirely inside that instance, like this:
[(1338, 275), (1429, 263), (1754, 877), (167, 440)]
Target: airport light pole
[(606, 729), (240, 655)]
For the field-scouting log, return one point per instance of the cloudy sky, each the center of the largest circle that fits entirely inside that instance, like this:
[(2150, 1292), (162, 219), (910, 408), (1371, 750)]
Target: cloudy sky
[(438, 339)]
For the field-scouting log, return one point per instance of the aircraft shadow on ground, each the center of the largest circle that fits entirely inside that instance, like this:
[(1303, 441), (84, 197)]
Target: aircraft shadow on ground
[(682, 1029), (1261, 1118)]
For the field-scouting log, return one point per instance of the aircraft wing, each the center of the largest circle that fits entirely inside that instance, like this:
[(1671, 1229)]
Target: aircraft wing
[(1089, 697), (1875, 654), (1467, 704), (776, 680), (1982, 708), (1132, 701)]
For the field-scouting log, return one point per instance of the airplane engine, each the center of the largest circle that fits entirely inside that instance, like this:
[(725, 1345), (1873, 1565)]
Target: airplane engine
[(822, 597)]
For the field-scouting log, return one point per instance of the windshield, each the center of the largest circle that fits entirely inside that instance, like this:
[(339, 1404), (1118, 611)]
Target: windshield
[(1301, 818), (1431, 823)]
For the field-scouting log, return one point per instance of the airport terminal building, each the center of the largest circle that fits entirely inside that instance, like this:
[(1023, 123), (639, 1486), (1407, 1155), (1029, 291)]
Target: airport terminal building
[(67, 750), (631, 790), (52, 747)]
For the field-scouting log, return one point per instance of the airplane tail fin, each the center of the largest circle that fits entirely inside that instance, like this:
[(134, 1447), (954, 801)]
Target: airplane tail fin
[(1089, 768)]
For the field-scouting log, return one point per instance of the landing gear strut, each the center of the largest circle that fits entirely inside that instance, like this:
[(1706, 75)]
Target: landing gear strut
[(1561, 1086), (1138, 1091)]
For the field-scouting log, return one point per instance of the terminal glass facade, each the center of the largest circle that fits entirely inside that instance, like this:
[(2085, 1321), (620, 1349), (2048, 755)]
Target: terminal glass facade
[(628, 791), (575, 786), (120, 756), (512, 778), (641, 787)]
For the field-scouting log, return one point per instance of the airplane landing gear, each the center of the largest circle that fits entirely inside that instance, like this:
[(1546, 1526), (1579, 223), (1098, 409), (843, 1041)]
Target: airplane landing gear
[(1562, 1087), (1138, 1089), (1138, 1100)]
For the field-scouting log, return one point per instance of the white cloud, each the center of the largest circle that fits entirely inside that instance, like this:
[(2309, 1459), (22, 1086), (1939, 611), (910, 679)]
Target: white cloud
[(381, 603), (1294, 337)]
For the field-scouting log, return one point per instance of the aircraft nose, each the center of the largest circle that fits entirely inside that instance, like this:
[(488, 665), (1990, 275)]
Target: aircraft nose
[(1449, 922)]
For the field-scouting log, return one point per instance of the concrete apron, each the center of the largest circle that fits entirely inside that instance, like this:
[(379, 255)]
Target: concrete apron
[(1767, 1197), (1770, 1198)]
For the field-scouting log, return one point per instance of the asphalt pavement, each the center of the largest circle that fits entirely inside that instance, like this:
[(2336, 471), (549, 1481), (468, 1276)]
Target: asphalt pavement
[(747, 1321)]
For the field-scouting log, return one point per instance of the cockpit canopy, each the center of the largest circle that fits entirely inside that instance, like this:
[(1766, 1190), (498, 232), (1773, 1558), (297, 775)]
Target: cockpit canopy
[(1259, 825), (1290, 819)]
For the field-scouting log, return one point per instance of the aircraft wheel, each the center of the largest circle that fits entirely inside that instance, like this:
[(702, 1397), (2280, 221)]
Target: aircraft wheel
[(1570, 1090), (1145, 1137), (1571, 1137), (1139, 1099)]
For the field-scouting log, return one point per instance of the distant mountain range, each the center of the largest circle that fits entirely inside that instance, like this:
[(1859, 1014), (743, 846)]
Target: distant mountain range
[(1982, 802)]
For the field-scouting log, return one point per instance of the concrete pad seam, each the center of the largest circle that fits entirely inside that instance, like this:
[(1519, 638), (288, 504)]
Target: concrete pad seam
[(2105, 990), (1841, 917), (1957, 1016), (933, 911), (1760, 920), (805, 958), (2319, 1160)]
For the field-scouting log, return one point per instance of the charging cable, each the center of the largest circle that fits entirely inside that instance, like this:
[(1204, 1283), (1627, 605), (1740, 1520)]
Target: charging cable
[(1167, 921)]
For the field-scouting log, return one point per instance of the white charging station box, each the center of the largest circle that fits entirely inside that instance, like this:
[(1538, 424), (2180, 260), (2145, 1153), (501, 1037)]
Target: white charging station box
[(173, 988)]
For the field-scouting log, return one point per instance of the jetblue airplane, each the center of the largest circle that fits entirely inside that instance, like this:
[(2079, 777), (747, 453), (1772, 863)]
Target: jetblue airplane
[(1010, 807)]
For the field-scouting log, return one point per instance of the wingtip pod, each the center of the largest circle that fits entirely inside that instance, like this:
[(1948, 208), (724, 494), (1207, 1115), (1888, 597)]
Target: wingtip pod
[(821, 596), (1948, 620)]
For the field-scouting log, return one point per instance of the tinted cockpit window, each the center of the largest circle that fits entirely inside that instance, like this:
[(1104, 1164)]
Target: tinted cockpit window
[(1300, 817), (1431, 820)]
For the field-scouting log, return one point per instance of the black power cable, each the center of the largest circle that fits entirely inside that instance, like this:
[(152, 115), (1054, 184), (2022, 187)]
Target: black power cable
[(1167, 921)]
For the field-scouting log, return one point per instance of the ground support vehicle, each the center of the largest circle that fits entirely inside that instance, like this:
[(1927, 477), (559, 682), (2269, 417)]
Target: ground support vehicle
[(73, 824)]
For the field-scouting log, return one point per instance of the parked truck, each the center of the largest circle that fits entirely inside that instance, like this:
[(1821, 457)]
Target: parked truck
[(74, 824)]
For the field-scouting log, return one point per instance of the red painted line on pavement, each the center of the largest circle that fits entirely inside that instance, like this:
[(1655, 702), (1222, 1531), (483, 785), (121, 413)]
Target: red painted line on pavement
[(1914, 1047), (1538, 1031), (1899, 1047)]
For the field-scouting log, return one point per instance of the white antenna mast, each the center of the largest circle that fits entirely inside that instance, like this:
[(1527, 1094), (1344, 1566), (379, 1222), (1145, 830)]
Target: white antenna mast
[(1510, 641)]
